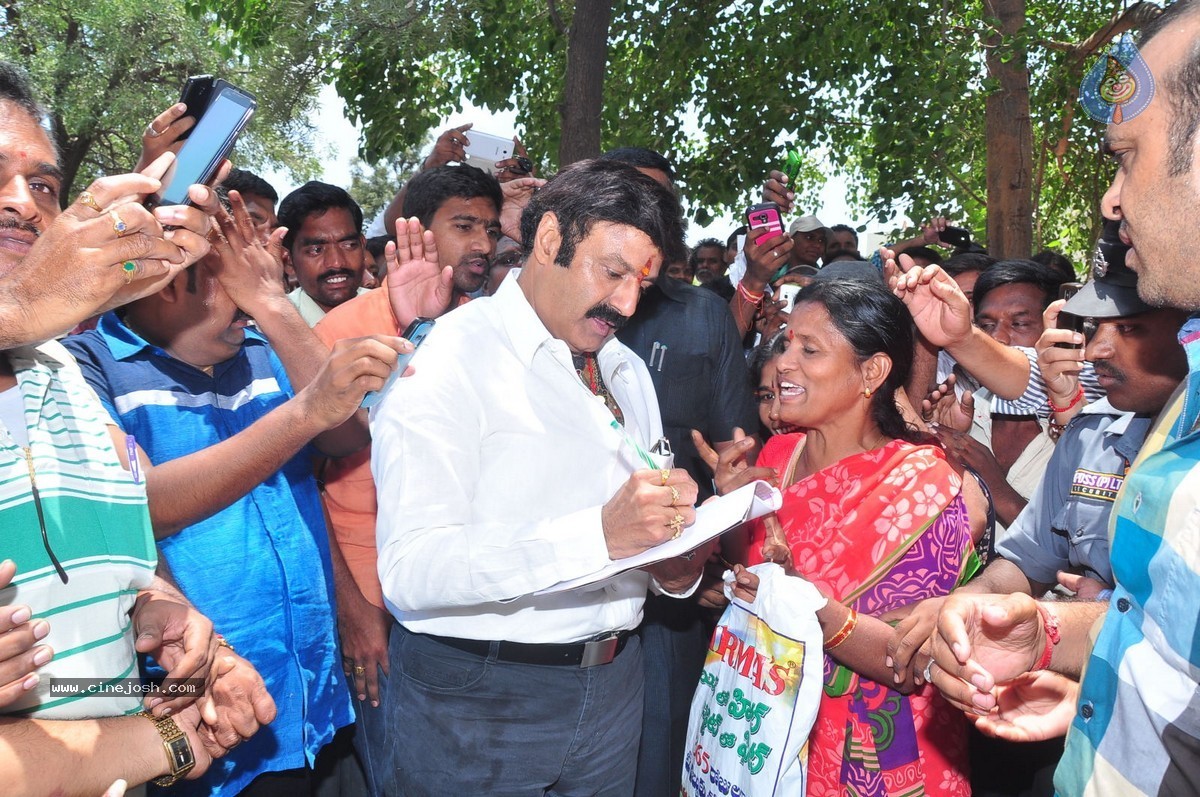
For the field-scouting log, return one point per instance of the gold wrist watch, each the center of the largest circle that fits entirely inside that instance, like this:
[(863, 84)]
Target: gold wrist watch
[(175, 742)]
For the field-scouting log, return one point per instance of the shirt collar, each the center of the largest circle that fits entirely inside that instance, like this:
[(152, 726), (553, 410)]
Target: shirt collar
[(528, 334)]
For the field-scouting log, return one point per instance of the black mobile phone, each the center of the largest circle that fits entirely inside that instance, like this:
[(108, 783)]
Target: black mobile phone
[(764, 221), (415, 334), (228, 112), (955, 236), (1069, 320), (196, 94)]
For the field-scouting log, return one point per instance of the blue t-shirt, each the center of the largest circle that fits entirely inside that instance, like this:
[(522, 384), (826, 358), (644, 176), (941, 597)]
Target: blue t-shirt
[(260, 568)]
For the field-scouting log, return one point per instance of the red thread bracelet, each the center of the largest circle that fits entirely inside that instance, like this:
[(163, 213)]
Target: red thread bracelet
[(1077, 398), (748, 296), (1050, 623)]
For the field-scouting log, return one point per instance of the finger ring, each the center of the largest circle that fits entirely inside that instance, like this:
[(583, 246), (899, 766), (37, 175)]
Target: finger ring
[(665, 474), (774, 253), (150, 131), (928, 674), (119, 225), (676, 525), (130, 269), (359, 669), (88, 199), (674, 494)]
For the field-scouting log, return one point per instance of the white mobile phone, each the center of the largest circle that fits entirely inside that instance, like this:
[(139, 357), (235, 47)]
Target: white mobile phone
[(788, 294), (485, 150)]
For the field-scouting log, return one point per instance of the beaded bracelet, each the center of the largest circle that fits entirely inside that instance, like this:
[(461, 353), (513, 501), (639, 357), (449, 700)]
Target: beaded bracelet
[(844, 632)]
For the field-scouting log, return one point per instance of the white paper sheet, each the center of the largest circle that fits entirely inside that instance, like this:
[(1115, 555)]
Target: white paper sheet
[(713, 519)]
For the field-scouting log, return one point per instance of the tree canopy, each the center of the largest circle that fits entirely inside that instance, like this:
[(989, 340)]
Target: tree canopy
[(105, 68), (893, 95)]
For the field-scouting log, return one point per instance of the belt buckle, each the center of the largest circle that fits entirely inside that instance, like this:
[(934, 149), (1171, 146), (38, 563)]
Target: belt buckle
[(599, 651)]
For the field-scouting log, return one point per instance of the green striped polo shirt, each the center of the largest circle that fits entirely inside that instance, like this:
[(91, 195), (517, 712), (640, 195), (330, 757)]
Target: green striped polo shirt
[(96, 524)]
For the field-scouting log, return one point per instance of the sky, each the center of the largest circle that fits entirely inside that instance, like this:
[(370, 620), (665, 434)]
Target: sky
[(334, 132)]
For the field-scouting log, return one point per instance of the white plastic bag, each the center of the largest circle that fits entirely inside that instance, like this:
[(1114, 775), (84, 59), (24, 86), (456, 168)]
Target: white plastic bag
[(758, 694)]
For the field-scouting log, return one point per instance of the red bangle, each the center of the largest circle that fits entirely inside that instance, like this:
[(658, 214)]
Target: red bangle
[(1078, 398), (1053, 637)]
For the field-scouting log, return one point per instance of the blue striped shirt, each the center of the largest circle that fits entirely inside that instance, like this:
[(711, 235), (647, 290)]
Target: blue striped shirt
[(260, 568), (1137, 724)]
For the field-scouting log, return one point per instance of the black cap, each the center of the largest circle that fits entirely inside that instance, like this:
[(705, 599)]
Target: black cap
[(1112, 290)]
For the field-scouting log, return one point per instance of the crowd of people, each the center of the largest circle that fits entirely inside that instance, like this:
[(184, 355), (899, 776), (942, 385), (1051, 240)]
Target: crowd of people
[(987, 470)]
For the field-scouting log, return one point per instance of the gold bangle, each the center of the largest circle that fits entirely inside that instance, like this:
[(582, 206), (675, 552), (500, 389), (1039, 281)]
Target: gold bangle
[(844, 632)]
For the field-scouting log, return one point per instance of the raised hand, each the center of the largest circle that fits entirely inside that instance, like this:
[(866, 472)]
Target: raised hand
[(1060, 366), (938, 306), (450, 147), (163, 132), (418, 286), (249, 271), (731, 468)]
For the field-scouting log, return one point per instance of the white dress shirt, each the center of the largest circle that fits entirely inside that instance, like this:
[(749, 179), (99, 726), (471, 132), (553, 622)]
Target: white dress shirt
[(492, 462)]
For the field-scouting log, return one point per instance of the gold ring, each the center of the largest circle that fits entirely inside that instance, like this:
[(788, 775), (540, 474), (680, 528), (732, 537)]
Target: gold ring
[(88, 199), (676, 525), (119, 225), (359, 669), (130, 269), (674, 494), (665, 474)]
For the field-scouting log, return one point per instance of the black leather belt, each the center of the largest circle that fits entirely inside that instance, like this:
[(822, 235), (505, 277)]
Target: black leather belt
[(575, 654)]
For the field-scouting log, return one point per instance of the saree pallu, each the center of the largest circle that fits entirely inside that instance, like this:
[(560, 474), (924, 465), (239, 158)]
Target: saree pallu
[(878, 531)]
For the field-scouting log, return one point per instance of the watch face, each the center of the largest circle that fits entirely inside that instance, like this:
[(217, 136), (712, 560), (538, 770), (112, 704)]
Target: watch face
[(181, 754)]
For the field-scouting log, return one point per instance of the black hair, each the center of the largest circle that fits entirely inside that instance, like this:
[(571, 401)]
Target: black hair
[(695, 253), (592, 191), (873, 321), (16, 87), (314, 197), (1057, 261), (968, 261), (731, 241), (640, 156), (925, 253), (1018, 272), (762, 354), (844, 228), (376, 244), (429, 190), (246, 182), (1182, 86)]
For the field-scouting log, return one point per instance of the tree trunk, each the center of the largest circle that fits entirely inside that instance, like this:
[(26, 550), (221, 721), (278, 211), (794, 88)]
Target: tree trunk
[(583, 92), (1009, 139)]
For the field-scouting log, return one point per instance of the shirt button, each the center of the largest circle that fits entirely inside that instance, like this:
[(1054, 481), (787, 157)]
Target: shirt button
[(1122, 605), (1086, 711)]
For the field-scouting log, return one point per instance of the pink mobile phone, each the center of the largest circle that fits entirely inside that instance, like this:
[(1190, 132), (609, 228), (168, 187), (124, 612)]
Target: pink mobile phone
[(764, 221)]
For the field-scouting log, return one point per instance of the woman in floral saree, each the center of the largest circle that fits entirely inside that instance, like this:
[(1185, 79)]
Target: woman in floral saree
[(875, 519)]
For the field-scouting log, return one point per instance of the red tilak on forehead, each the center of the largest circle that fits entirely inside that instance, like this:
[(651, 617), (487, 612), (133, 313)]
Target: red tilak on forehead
[(646, 268), (791, 335)]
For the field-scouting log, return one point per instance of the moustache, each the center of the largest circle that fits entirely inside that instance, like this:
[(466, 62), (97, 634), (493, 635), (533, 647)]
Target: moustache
[(9, 223), (609, 315), (336, 272), (1104, 369)]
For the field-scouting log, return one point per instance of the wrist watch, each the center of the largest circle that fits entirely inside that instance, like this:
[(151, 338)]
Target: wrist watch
[(175, 742)]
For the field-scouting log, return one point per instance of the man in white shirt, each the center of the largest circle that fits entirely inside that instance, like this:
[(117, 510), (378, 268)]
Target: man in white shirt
[(513, 459)]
